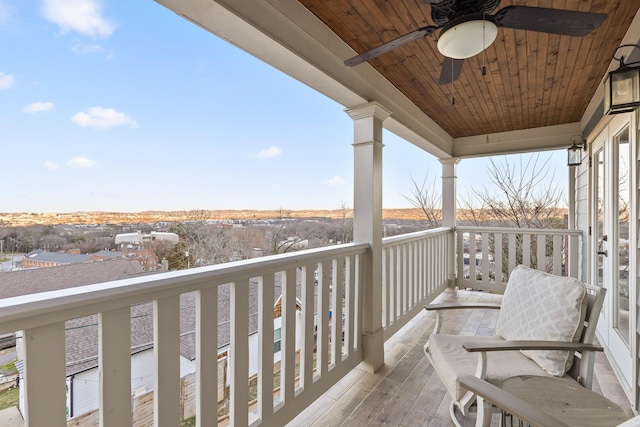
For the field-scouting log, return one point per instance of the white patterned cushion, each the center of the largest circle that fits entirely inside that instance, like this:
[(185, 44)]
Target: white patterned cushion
[(540, 306)]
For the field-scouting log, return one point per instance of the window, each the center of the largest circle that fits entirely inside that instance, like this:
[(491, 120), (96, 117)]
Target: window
[(277, 340)]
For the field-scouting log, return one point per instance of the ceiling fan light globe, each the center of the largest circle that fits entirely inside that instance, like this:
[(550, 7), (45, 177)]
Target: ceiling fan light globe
[(467, 39)]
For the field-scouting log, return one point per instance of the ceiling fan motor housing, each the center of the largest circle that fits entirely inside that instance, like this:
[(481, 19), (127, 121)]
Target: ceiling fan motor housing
[(467, 36)]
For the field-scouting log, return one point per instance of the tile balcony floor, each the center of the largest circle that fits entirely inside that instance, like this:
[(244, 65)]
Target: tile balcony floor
[(406, 391)]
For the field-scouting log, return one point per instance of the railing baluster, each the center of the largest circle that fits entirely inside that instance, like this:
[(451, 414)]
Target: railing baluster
[(485, 258), (337, 301), (557, 254), (386, 286), (402, 280), (526, 249), (323, 319), (239, 369), (512, 251), (542, 251), (357, 311), (350, 301), (573, 257), (438, 270), (207, 357), (460, 245), (114, 353), (166, 338), (411, 274), (472, 256), (395, 284), (44, 376), (288, 362), (307, 295), (421, 263), (497, 257), (265, 346)]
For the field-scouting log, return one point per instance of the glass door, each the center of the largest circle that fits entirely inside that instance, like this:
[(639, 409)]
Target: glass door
[(610, 239), (621, 244)]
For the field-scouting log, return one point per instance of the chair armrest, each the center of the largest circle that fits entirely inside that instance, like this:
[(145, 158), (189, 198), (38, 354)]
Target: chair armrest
[(440, 308), (455, 305), (510, 403), (529, 345)]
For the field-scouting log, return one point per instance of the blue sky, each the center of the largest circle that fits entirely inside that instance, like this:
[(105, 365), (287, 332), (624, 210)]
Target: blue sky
[(124, 106)]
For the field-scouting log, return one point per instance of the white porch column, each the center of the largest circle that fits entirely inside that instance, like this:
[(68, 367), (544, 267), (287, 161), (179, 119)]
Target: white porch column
[(449, 212), (367, 222)]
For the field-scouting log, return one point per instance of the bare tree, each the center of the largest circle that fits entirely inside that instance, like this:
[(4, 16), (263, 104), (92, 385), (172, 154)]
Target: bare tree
[(523, 195), (426, 198), (246, 241), (277, 235), (519, 196), (346, 224), (209, 242)]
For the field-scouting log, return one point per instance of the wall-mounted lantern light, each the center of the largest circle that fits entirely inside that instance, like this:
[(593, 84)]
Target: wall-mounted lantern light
[(574, 153), (622, 86)]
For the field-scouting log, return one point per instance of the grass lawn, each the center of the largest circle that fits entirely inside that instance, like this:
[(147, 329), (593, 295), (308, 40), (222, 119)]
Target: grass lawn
[(189, 422), (9, 398), (9, 368)]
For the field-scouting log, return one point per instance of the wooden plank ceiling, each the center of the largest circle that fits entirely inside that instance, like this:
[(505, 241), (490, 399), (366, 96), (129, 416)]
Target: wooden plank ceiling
[(533, 79)]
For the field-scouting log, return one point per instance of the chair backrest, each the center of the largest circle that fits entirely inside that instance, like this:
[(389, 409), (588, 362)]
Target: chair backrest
[(582, 368)]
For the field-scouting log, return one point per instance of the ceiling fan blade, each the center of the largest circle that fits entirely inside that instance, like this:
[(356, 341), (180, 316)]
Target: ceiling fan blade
[(451, 69), (384, 48), (554, 21)]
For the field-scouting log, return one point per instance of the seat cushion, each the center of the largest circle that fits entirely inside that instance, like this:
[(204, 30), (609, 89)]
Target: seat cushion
[(452, 362), (541, 306)]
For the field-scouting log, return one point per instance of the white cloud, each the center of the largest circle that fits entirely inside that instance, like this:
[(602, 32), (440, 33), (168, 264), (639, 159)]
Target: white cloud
[(81, 163), (51, 166), (269, 153), (6, 81), (336, 180), (81, 16), (86, 49), (38, 107), (103, 118)]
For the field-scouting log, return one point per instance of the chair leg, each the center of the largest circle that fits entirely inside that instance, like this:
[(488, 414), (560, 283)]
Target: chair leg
[(452, 414), (485, 412)]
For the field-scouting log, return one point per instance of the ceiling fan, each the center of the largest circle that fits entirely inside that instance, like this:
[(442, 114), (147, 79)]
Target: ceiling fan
[(468, 29)]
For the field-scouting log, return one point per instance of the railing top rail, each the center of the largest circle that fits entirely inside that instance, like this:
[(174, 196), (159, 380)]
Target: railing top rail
[(47, 307), (403, 238), (516, 230)]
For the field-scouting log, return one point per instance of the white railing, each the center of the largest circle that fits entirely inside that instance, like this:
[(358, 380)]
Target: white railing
[(414, 272), (485, 255), (325, 280)]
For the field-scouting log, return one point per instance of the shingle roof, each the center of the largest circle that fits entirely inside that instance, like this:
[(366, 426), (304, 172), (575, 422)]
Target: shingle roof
[(82, 333), (107, 254), (59, 257), (34, 280)]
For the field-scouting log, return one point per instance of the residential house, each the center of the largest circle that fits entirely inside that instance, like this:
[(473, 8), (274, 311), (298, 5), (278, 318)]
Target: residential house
[(138, 238), (538, 93), (41, 258)]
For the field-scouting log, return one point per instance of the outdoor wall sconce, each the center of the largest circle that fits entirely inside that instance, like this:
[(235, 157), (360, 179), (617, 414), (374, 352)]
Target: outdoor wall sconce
[(622, 86), (574, 153)]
